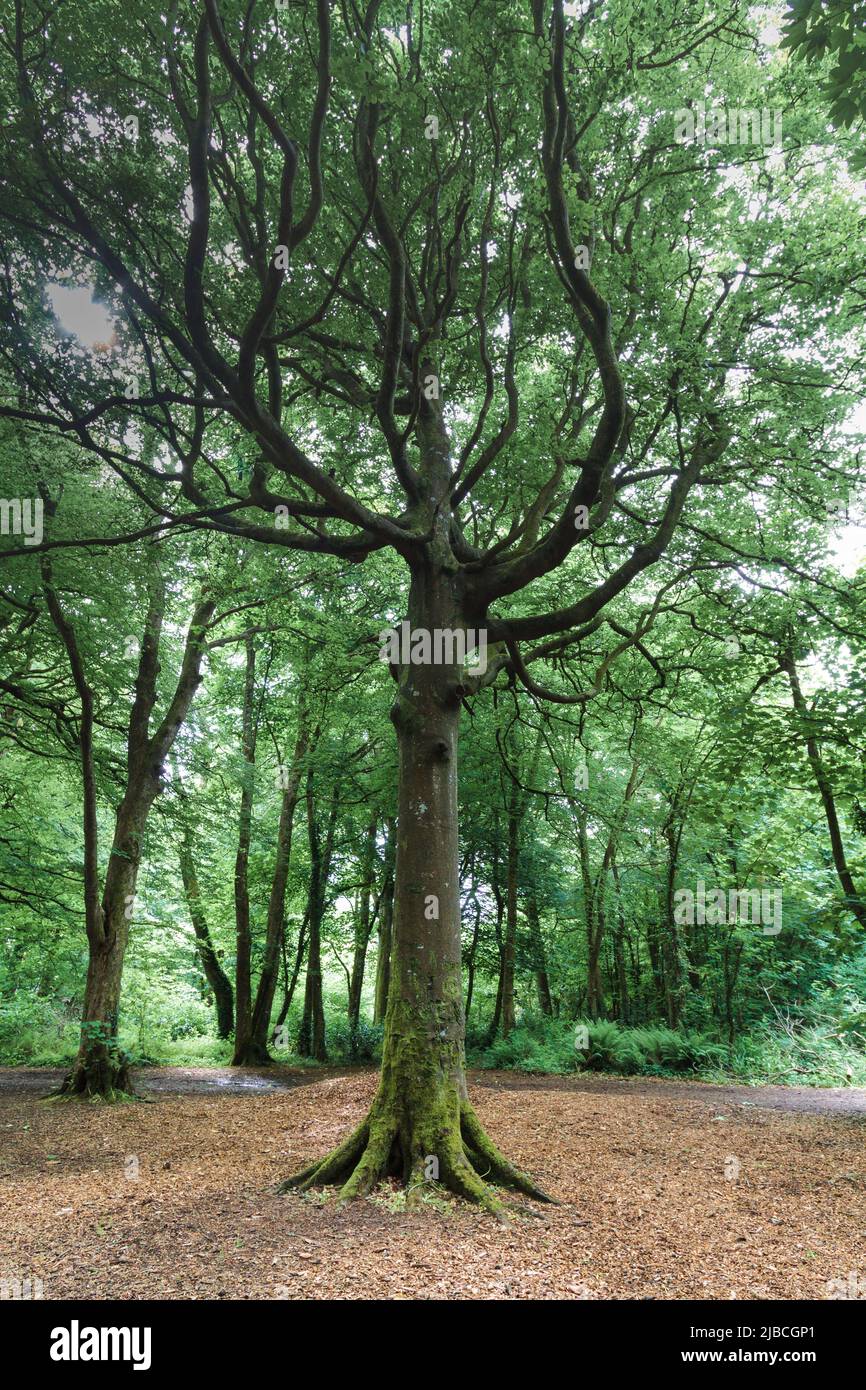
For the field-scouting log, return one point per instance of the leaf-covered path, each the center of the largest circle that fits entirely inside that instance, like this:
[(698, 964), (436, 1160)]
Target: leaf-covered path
[(807, 1100), (669, 1190)]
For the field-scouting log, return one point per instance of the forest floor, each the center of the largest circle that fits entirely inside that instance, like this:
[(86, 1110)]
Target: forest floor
[(669, 1189)]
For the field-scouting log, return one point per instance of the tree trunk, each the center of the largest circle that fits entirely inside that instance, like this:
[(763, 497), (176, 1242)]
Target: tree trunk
[(470, 959), (291, 985), (255, 1052), (386, 924), (624, 1008), (594, 990), (853, 900), (495, 1020), (518, 802), (542, 983), (216, 977), (672, 944), (654, 950), (311, 1037), (101, 1069), (510, 946), (243, 981), (363, 925), (421, 1125)]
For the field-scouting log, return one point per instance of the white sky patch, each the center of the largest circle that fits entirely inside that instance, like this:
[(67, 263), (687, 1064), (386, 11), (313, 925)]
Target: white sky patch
[(77, 312), (849, 549), (849, 545)]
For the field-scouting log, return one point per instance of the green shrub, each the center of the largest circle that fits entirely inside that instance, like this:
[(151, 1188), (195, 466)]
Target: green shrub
[(548, 1045), (360, 1044)]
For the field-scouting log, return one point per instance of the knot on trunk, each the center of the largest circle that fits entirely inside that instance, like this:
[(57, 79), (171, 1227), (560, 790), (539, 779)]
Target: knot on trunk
[(403, 716)]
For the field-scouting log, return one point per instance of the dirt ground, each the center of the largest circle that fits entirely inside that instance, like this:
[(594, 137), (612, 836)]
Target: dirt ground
[(669, 1190)]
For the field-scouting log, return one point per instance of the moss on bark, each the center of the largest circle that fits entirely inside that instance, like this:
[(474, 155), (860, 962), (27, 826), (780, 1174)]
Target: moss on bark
[(421, 1129)]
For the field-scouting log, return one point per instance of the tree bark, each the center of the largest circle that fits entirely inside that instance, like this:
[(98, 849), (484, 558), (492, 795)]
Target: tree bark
[(243, 980), (623, 1004), (216, 977), (363, 924), (311, 1037), (292, 983), (470, 955), (542, 983), (510, 945), (386, 924), (496, 889), (853, 900), (256, 1051), (421, 1124), (594, 989), (518, 802)]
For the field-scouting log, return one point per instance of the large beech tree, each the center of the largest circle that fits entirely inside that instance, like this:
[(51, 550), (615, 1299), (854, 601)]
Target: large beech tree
[(439, 281)]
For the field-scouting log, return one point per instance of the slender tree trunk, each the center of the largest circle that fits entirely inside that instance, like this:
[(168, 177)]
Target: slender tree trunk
[(731, 956), (215, 975), (243, 980), (654, 951), (597, 891), (311, 1038), (470, 959), (518, 802), (594, 989), (256, 1051), (363, 925), (619, 951), (500, 915), (386, 926), (510, 946), (594, 981), (542, 983), (291, 986), (672, 943), (853, 900)]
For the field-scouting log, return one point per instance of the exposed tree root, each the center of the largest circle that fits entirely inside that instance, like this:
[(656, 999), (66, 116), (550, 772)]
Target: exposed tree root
[(100, 1082), (489, 1161), (456, 1155), (336, 1166)]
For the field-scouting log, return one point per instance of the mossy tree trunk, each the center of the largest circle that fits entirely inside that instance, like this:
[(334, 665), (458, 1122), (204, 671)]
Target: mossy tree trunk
[(421, 1125), (101, 1069)]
